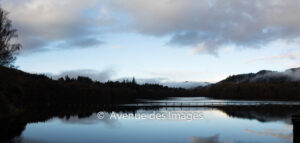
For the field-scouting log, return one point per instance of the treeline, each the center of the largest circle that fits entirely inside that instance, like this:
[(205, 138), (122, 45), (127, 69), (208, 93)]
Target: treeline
[(252, 91), (19, 90), (263, 85)]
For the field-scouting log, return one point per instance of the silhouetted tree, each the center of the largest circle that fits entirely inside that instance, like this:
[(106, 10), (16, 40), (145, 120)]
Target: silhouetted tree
[(84, 79), (133, 81), (7, 48), (67, 78)]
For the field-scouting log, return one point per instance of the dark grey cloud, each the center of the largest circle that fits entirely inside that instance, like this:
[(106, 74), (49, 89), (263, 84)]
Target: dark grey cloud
[(85, 42), (208, 25), (79, 43), (34, 44)]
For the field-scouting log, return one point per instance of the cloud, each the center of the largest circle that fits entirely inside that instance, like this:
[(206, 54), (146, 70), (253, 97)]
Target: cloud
[(86, 42), (204, 25), (116, 47), (208, 25), (203, 48), (287, 56), (291, 75), (41, 23), (177, 75), (81, 43), (265, 76), (102, 76)]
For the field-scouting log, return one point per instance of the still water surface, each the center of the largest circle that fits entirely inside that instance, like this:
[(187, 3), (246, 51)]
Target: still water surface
[(217, 125)]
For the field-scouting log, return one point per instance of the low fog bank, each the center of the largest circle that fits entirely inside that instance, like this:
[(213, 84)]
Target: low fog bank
[(167, 82), (291, 74), (266, 76), (186, 84), (107, 75)]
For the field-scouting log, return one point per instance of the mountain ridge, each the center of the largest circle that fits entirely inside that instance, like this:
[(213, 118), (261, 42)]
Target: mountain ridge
[(265, 76)]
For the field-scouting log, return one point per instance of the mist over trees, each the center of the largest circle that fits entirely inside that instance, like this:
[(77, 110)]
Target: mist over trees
[(8, 48), (263, 85), (265, 76)]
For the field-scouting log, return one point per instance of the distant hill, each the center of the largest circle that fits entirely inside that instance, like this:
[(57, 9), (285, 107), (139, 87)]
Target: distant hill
[(20, 90), (266, 76), (263, 85)]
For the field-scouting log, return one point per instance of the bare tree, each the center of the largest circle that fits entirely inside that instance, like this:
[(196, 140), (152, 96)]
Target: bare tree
[(8, 49)]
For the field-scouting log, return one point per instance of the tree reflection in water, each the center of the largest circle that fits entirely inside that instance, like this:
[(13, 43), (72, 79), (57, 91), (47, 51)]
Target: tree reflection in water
[(12, 127)]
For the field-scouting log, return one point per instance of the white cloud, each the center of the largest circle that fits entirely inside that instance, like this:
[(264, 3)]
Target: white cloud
[(205, 25), (177, 75), (287, 56), (202, 48), (41, 22), (116, 47)]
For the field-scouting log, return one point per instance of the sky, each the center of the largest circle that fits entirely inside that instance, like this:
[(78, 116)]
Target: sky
[(156, 40)]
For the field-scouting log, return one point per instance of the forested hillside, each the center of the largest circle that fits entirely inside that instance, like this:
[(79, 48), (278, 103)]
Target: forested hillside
[(263, 85), (19, 90)]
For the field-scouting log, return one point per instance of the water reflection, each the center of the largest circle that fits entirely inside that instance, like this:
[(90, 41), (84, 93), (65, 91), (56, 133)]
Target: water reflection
[(219, 125), (25, 140), (211, 139), (282, 134), (296, 129)]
